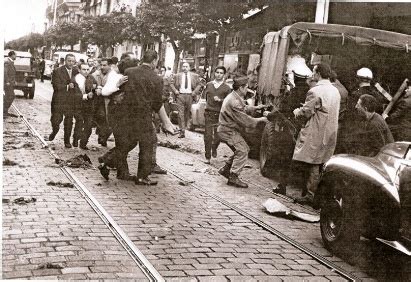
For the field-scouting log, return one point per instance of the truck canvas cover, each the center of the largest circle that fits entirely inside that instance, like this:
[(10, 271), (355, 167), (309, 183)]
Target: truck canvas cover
[(275, 46)]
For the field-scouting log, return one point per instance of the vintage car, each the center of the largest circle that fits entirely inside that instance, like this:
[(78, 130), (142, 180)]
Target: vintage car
[(24, 73), (367, 196), (345, 48)]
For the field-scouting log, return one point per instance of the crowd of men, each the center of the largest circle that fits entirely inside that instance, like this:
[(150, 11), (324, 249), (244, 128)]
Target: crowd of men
[(119, 97)]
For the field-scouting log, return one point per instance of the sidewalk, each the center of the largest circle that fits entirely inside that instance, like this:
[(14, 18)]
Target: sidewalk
[(50, 231)]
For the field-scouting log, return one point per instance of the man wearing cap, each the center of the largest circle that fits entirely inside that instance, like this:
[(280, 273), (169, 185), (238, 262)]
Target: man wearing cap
[(365, 76), (9, 82), (185, 85), (232, 120)]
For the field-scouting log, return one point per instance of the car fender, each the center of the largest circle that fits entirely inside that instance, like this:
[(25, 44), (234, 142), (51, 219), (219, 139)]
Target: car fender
[(366, 179)]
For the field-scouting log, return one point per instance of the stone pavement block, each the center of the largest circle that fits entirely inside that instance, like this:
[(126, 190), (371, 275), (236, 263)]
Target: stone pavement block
[(75, 270), (46, 272), (180, 267), (251, 272), (100, 276), (277, 272), (73, 276), (212, 279), (17, 274), (198, 272), (225, 272), (316, 279), (207, 266)]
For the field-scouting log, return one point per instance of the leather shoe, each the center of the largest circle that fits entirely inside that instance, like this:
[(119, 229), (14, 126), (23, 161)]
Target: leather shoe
[(207, 161), (233, 180), (145, 181), (75, 143), (280, 189), (67, 145), (182, 134), (104, 171), (158, 170), (52, 136)]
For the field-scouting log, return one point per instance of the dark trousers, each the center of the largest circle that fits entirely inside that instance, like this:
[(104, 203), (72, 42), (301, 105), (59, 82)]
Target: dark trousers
[(100, 117), (211, 138), (305, 176), (8, 98), (184, 102), (58, 114), (126, 139)]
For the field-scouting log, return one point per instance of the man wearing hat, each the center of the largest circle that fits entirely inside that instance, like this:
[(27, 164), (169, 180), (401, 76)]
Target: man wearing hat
[(232, 120), (364, 77)]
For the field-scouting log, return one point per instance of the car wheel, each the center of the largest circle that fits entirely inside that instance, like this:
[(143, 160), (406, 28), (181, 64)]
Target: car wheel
[(340, 224)]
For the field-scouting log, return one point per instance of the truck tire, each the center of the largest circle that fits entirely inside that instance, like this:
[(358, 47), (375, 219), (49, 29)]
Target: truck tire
[(277, 147), (266, 149)]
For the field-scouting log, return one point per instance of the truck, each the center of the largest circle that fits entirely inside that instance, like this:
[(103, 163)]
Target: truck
[(345, 48)]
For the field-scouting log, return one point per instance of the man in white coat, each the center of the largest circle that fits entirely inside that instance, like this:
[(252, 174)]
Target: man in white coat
[(317, 140)]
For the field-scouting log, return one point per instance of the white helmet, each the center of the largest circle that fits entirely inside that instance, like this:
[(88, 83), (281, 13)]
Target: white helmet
[(365, 73)]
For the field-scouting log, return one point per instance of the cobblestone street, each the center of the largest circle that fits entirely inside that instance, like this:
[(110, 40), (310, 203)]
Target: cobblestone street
[(182, 226)]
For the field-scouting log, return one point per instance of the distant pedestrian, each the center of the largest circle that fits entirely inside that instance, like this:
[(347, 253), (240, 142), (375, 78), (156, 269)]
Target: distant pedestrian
[(185, 85), (215, 93), (42, 68), (233, 119), (317, 140), (9, 83), (64, 99)]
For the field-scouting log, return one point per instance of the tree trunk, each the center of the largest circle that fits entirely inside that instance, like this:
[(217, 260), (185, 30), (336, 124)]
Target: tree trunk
[(177, 56)]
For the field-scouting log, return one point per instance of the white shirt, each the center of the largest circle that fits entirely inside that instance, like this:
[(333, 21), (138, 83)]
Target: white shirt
[(69, 71), (81, 81), (183, 81), (111, 85)]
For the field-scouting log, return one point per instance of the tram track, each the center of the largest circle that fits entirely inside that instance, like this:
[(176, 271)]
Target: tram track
[(141, 261), (139, 258)]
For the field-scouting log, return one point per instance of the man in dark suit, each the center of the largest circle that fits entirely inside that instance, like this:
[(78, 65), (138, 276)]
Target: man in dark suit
[(64, 100), (143, 95), (185, 86), (9, 82)]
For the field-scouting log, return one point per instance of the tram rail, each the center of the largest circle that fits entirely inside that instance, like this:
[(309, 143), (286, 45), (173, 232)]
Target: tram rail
[(138, 257), (150, 272)]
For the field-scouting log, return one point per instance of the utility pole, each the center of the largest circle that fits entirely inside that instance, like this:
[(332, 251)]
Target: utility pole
[(55, 12), (321, 13)]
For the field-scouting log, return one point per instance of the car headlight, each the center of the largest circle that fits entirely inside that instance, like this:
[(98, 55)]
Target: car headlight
[(26, 74)]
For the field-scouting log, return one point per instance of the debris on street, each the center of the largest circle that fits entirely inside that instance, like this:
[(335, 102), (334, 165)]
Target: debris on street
[(185, 183), (50, 265), (79, 161), (7, 162), (178, 147), (206, 170), (24, 200), (60, 184), (278, 209)]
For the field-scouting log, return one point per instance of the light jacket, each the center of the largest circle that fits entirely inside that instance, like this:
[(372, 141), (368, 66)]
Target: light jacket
[(317, 140)]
